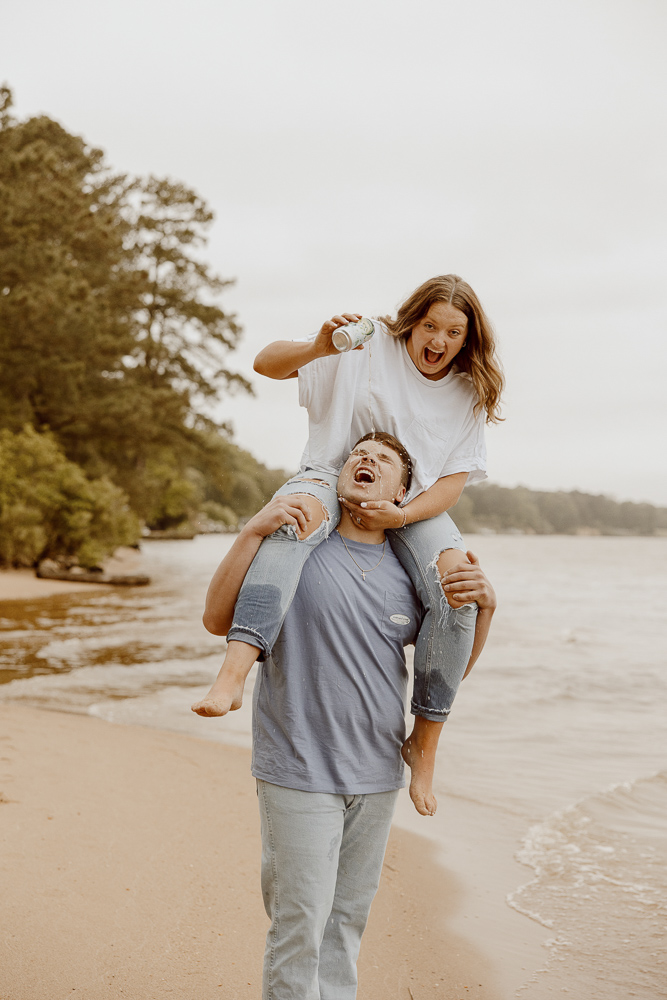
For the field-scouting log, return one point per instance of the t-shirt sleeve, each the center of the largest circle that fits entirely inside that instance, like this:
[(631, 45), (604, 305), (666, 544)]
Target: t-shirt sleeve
[(306, 375), (316, 384), (469, 454)]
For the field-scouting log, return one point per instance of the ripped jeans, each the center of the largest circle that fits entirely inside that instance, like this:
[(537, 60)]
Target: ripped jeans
[(445, 640)]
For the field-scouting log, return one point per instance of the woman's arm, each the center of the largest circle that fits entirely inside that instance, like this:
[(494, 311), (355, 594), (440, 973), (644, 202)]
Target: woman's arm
[(444, 493), (224, 588), (283, 358)]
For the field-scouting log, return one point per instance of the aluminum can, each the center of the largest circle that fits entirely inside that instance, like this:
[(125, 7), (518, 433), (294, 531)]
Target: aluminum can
[(352, 335)]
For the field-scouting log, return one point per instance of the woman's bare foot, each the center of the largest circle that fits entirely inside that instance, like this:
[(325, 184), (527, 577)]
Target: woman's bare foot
[(226, 695), (222, 698), (418, 752)]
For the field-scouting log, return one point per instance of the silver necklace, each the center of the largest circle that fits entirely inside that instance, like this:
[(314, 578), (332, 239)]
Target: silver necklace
[(363, 571)]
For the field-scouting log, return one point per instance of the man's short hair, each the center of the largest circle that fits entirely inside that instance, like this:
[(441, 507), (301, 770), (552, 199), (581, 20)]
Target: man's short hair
[(395, 445)]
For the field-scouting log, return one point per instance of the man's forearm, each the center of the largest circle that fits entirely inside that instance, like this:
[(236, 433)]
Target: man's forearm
[(482, 626), (224, 588)]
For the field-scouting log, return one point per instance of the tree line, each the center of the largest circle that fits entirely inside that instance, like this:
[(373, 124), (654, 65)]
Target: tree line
[(113, 351), (498, 508)]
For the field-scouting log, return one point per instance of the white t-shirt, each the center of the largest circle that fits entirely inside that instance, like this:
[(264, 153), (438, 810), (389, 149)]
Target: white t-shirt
[(434, 420)]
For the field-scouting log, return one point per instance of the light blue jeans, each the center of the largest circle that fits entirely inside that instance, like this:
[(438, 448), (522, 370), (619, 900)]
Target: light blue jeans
[(321, 863), (445, 640)]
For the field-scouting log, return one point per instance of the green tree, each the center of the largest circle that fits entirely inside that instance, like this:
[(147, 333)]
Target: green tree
[(49, 508), (502, 509), (232, 477), (66, 296), (111, 335), (559, 511), (182, 335), (464, 513)]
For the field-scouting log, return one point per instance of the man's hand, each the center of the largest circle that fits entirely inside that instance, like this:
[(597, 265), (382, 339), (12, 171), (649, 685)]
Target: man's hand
[(466, 582), (281, 510), (374, 514)]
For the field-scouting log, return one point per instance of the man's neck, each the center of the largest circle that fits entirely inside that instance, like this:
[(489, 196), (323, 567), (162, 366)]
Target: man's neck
[(349, 528)]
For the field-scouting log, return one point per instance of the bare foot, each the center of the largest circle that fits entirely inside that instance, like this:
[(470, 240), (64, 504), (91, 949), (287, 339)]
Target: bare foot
[(219, 700), (226, 695), (418, 752)]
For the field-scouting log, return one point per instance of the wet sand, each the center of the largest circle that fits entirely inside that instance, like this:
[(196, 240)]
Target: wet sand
[(130, 867), (23, 585)]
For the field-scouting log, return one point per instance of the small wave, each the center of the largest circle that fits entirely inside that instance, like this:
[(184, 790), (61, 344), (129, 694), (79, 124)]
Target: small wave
[(601, 880), (78, 689)]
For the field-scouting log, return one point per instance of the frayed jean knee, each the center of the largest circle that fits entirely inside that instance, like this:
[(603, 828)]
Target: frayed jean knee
[(445, 640), (271, 581)]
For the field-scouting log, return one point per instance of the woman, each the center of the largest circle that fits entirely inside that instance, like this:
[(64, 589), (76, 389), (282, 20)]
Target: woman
[(431, 378)]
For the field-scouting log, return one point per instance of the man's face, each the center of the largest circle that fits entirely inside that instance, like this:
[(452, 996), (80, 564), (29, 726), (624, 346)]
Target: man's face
[(373, 471)]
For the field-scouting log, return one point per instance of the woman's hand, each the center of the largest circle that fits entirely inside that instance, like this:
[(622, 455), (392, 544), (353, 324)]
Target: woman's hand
[(374, 515), (283, 358), (323, 342), (466, 582)]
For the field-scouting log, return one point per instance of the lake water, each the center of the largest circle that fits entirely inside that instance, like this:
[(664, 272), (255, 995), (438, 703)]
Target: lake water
[(561, 726)]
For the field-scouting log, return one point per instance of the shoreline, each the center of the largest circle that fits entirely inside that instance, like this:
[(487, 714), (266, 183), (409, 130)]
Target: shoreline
[(546, 722), (24, 585), (479, 844), (131, 867)]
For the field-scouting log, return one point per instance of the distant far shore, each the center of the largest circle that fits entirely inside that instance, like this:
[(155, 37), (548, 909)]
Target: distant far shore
[(23, 585)]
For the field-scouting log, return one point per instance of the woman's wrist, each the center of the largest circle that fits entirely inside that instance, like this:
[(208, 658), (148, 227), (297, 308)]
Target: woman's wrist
[(317, 351)]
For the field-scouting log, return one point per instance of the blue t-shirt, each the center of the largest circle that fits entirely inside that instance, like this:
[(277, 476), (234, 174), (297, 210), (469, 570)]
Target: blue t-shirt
[(328, 706)]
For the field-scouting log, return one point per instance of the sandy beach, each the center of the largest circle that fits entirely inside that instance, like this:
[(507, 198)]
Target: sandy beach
[(23, 585), (542, 873), (130, 863)]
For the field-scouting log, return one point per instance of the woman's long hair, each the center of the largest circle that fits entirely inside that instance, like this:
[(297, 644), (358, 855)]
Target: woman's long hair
[(478, 357)]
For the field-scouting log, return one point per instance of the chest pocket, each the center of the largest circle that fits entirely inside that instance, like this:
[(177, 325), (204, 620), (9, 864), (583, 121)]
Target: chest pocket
[(428, 445), (398, 617)]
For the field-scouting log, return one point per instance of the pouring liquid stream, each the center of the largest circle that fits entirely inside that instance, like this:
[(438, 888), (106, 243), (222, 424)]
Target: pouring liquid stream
[(370, 390)]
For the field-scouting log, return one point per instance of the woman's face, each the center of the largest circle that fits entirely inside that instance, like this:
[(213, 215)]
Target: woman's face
[(437, 339)]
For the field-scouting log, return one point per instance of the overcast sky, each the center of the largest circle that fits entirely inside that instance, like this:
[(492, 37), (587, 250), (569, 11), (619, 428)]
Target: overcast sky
[(351, 150)]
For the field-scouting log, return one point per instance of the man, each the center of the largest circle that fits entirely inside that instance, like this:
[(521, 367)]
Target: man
[(328, 722)]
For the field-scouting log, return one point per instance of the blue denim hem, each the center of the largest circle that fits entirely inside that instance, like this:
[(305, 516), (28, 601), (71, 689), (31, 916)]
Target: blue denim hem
[(238, 633), (432, 714)]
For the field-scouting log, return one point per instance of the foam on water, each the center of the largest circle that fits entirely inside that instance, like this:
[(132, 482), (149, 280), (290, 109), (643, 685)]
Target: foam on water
[(601, 881)]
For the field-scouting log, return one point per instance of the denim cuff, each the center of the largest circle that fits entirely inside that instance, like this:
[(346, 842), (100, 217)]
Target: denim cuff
[(433, 715), (240, 633)]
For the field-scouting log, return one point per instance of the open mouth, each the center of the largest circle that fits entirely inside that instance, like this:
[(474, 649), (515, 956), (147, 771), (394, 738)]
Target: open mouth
[(364, 475), (432, 357)]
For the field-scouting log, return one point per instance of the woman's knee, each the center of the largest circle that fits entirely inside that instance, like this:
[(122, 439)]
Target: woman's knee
[(318, 498), (317, 513)]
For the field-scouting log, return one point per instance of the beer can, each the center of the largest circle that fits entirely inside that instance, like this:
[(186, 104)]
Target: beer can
[(352, 335)]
